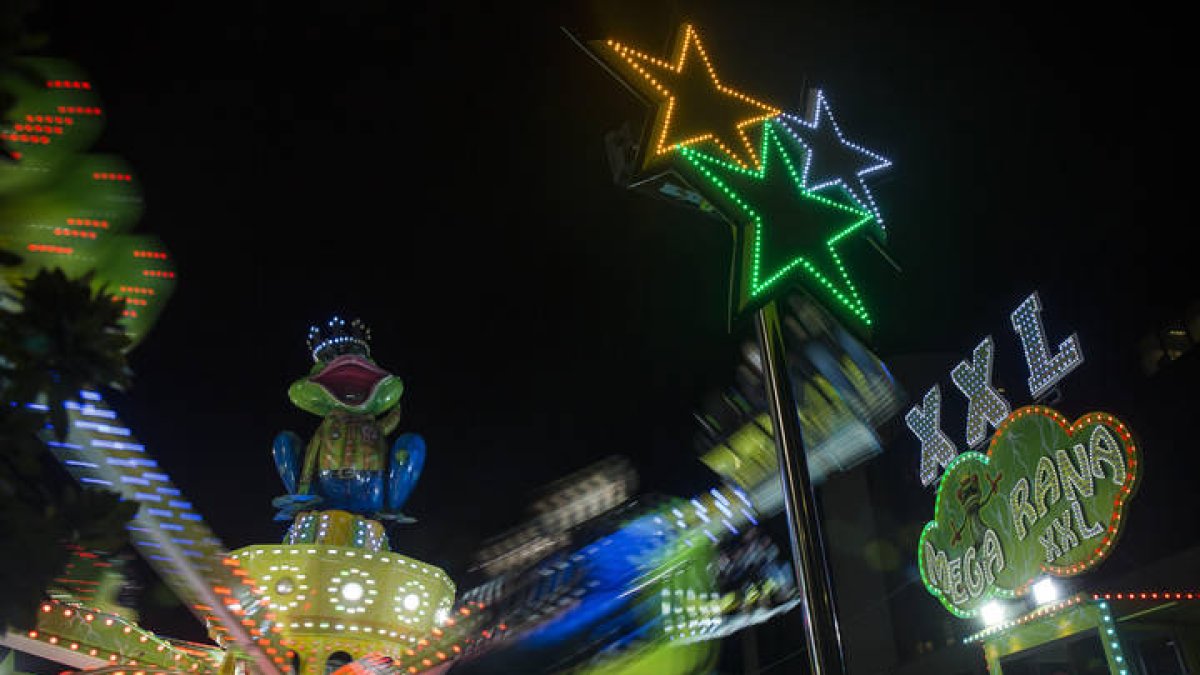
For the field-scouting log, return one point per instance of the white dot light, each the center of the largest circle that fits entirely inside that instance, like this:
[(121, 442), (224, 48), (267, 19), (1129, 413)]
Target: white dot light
[(411, 601), (992, 613), (441, 615), (1045, 591), (352, 591)]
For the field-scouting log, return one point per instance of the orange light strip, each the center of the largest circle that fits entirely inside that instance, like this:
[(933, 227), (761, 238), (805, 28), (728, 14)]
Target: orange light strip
[(1149, 595), (48, 248), (661, 145), (67, 232), (88, 222)]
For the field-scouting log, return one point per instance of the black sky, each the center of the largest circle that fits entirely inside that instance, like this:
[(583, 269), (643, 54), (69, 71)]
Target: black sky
[(438, 169)]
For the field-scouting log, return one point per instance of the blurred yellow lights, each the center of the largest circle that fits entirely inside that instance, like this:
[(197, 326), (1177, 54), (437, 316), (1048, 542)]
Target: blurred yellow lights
[(726, 113)]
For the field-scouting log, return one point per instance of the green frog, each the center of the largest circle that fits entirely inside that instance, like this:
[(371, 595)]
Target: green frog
[(347, 464)]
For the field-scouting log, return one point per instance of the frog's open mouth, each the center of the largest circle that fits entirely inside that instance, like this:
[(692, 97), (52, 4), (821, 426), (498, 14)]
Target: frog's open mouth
[(350, 378)]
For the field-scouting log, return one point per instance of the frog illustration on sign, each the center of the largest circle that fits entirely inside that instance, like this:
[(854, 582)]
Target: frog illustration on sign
[(346, 464), (970, 496)]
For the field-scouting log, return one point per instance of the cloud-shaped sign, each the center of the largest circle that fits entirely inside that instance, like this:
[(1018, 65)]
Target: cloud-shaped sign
[(1047, 498)]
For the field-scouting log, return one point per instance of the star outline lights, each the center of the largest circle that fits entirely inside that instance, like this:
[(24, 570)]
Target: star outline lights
[(700, 132), (639, 65), (821, 122), (755, 283)]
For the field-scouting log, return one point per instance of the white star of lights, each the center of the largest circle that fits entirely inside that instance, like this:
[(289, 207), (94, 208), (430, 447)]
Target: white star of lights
[(831, 160)]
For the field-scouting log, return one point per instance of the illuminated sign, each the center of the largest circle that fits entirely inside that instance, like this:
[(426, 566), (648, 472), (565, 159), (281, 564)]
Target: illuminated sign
[(772, 199), (1047, 498), (985, 405), (791, 187)]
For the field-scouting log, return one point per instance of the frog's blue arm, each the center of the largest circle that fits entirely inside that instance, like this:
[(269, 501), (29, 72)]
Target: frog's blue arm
[(287, 448), (407, 460)]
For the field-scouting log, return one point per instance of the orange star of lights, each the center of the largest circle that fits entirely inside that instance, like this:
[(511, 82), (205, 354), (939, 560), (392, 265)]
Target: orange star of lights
[(713, 111)]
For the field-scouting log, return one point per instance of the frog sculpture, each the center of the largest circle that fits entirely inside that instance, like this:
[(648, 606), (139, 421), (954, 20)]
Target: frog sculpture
[(347, 465)]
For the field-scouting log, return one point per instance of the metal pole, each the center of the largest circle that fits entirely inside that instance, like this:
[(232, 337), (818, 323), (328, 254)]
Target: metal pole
[(808, 552), (749, 651)]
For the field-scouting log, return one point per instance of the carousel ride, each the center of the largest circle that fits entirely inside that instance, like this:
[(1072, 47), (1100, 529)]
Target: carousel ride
[(332, 592), (337, 590)]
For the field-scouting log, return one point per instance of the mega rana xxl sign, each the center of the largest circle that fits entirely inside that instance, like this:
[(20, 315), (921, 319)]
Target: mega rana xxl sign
[(1047, 497)]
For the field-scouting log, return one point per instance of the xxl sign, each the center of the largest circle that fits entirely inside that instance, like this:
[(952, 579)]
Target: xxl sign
[(985, 405), (1047, 498), (1048, 495)]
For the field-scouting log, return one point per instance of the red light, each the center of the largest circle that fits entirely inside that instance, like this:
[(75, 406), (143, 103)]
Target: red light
[(68, 84), (104, 175)]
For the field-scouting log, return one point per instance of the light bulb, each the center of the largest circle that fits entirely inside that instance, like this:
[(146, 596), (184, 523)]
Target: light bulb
[(1045, 591), (352, 591), (992, 613)]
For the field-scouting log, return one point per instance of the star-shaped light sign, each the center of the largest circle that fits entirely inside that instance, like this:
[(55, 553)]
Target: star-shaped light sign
[(791, 187), (789, 229), (693, 106), (831, 160)]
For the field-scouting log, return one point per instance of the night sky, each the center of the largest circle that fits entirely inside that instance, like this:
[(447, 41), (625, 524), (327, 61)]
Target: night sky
[(438, 170)]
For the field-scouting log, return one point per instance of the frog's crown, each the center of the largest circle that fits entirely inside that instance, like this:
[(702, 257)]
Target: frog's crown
[(337, 338)]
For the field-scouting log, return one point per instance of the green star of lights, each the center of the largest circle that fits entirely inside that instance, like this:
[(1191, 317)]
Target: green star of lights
[(785, 230)]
